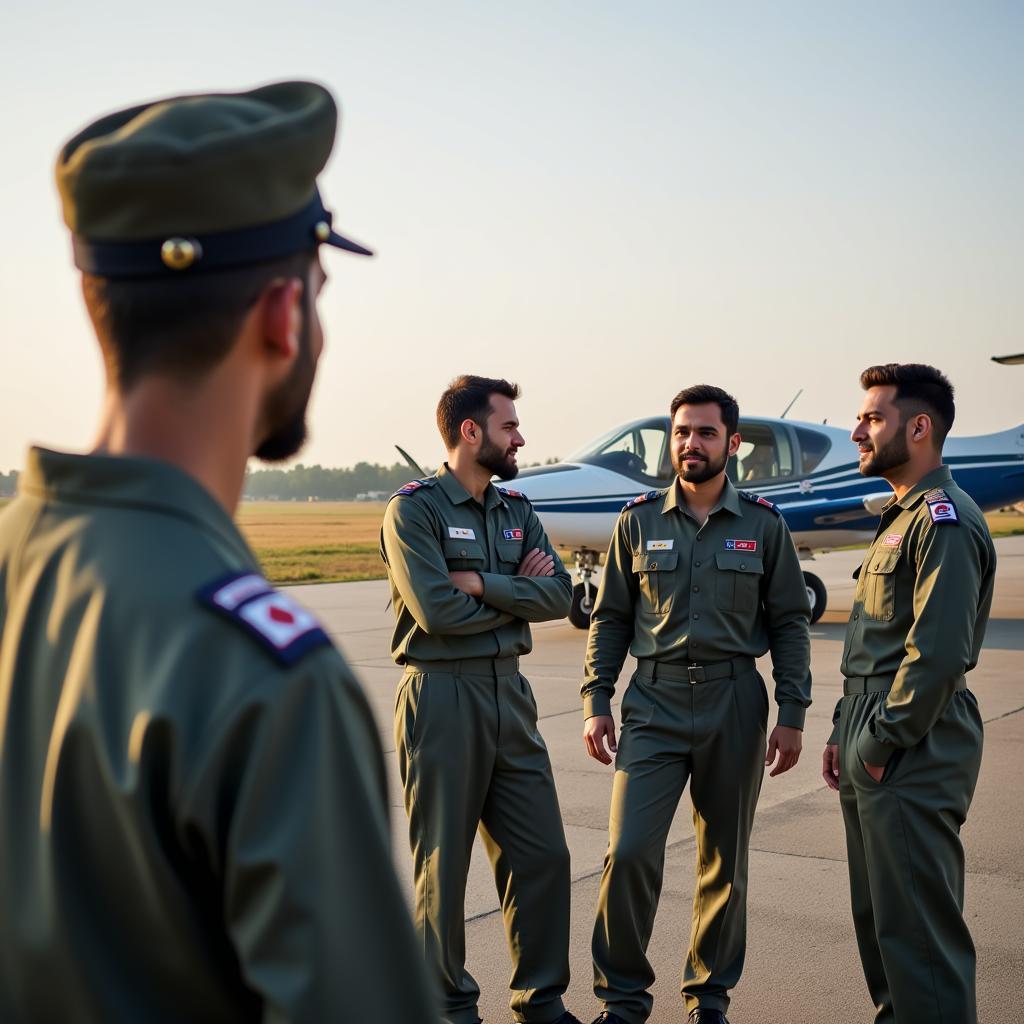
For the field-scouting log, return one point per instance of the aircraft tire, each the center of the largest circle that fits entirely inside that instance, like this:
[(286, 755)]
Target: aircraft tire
[(817, 594), (580, 608)]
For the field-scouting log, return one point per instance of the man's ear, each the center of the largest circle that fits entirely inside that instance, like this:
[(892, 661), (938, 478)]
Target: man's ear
[(470, 431), (281, 312), (920, 428), (734, 444)]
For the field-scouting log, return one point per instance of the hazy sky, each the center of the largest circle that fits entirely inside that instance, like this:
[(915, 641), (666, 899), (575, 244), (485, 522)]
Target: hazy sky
[(603, 201)]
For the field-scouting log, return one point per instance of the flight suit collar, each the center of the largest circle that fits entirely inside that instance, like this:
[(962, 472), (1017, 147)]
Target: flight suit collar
[(128, 481), (457, 494), (940, 477), (728, 499)]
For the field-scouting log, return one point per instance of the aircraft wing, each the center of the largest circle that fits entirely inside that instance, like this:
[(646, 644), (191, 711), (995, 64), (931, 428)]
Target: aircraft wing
[(840, 510)]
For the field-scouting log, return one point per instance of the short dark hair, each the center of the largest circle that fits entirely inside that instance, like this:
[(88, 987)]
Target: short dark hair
[(469, 398), (181, 327), (706, 394), (919, 388)]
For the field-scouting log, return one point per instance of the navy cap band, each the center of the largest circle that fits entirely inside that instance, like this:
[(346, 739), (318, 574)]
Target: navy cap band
[(168, 257)]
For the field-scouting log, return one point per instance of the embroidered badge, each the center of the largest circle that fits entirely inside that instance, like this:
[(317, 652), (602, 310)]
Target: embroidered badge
[(510, 493), (660, 545), (513, 534), (409, 488), (640, 499), (892, 540), (461, 533), (281, 625), (756, 499), (943, 512), (741, 545), (938, 494)]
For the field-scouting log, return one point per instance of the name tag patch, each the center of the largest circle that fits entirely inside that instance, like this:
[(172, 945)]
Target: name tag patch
[(513, 534), (461, 533), (943, 512), (660, 545), (741, 545), (281, 625), (892, 540)]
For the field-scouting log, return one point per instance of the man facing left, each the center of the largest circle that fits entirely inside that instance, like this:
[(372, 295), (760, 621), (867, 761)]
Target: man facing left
[(192, 794)]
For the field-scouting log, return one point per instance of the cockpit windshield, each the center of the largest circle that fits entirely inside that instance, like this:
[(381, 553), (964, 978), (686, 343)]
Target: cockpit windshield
[(638, 450)]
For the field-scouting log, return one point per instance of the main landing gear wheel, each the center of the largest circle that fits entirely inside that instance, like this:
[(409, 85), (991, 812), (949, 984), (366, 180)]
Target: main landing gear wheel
[(816, 594), (582, 606)]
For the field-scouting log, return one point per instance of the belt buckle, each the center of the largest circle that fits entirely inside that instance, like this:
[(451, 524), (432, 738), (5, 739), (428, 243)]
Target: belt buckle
[(695, 673)]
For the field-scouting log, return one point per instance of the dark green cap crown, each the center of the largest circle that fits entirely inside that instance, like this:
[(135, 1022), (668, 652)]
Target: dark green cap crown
[(229, 176)]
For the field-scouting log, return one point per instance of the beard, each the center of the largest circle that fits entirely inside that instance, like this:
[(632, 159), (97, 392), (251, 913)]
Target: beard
[(285, 409), (891, 455), (705, 470), (497, 460)]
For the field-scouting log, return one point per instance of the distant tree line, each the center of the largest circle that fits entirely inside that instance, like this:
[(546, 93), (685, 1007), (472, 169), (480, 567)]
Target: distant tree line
[(304, 482)]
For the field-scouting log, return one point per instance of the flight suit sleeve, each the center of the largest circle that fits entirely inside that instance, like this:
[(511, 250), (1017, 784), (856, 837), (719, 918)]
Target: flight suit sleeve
[(533, 598), (788, 615), (293, 804), (833, 738), (950, 562), (417, 566), (611, 625)]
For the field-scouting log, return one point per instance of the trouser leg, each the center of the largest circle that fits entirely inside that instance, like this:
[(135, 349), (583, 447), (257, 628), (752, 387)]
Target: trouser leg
[(651, 770), (445, 737), (910, 823), (730, 720), (522, 830)]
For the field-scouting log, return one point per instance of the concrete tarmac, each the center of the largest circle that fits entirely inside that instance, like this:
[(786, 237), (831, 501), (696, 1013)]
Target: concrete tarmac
[(802, 965)]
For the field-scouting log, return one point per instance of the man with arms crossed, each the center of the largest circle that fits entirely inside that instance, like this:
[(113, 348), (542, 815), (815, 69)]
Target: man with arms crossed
[(470, 569), (192, 791), (906, 748), (699, 581)]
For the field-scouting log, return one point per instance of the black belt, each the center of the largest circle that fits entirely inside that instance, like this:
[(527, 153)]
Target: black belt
[(467, 666), (651, 668), (854, 685)]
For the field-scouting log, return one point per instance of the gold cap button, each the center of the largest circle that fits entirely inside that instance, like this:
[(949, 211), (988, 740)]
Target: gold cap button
[(322, 231), (180, 253)]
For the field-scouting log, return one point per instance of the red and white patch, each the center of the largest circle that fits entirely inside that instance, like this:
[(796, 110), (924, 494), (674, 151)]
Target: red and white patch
[(277, 617), (513, 534), (892, 540), (281, 625), (943, 512), (741, 545)]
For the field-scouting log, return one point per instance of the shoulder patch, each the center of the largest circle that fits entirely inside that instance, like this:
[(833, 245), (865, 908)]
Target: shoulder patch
[(413, 486), (937, 494), (278, 623), (941, 510), (641, 498), (507, 492), (756, 499)]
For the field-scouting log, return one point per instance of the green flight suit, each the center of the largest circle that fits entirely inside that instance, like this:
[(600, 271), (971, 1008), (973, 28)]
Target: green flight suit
[(924, 592), (192, 792), (677, 593), (466, 733)]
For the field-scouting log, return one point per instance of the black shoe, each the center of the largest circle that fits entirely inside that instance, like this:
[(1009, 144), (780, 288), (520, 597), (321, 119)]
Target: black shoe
[(568, 1018), (607, 1017), (705, 1015)]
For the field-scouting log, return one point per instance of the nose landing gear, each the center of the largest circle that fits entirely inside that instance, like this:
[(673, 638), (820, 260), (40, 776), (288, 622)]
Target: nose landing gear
[(816, 594), (584, 593)]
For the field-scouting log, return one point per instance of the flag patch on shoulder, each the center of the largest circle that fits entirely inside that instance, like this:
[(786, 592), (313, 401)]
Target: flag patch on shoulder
[(641, 498), (279, 624), (943, 512)]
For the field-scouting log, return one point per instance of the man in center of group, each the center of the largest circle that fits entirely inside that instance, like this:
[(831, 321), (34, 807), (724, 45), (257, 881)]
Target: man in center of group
[(470, 568), (699, 580)]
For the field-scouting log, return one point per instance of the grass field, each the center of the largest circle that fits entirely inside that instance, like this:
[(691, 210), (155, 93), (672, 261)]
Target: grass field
[(332, 541)]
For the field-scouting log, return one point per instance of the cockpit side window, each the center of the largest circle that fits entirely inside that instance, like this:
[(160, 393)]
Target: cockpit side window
[(765, 454), (638, 451), (813, 448)]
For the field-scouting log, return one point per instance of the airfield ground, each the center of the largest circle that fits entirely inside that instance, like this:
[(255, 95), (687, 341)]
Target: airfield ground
[(802, 965)]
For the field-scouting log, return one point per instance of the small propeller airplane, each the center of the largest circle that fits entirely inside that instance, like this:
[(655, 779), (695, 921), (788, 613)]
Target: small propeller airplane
[(808, 470)]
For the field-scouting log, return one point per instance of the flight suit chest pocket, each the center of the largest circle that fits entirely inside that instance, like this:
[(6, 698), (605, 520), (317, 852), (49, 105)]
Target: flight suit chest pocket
[(738, 580), (656, 571), (510, 554), (878, 578), (464, 554)]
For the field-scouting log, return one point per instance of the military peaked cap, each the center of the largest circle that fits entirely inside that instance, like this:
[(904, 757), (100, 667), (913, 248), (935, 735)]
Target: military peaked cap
[(204, 182)]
